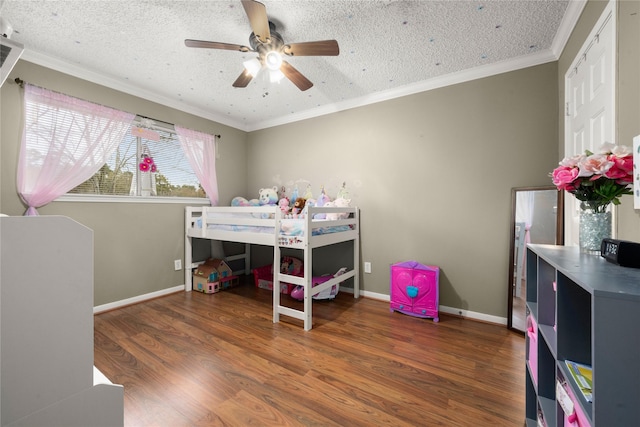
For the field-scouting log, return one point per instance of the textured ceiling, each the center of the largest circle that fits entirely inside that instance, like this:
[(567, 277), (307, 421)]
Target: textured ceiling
[(387, 49)]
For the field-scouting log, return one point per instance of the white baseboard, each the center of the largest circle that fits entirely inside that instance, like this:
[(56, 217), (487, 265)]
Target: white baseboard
[(373, 295), (473, 315), (444, 309), (139, 298)]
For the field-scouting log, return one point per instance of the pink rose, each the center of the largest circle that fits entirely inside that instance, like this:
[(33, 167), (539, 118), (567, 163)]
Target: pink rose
[(564, 176), (622, 168), (572, 161), (597, 164)]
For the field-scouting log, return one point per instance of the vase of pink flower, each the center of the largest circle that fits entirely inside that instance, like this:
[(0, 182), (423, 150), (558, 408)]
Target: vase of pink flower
[(597, 180)]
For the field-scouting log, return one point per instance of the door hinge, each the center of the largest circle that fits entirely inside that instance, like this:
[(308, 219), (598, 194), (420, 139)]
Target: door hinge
[(566, 109)]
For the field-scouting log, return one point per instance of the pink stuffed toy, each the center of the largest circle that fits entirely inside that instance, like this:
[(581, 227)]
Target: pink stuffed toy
[(283, 203)]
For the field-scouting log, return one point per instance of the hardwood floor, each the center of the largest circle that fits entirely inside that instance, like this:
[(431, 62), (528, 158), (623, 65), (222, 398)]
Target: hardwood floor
[(191, 359)]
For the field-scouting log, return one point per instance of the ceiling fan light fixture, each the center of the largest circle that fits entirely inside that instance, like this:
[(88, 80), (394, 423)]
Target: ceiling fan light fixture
[(273, 60), (269, 46), (252, 66), (275, 76)]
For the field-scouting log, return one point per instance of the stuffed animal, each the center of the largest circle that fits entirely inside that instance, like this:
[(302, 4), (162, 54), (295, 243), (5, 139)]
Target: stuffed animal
[(338, 203), (298, 206), (241, 201), (323, 199), (268, 196), (283, 203)]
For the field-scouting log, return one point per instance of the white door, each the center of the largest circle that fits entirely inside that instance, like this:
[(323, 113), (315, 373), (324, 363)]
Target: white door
[(590, 103)]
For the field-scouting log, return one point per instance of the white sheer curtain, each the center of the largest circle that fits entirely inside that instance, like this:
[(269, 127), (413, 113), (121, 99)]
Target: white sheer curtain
[(200, 150), (64, 142), (525, 206)]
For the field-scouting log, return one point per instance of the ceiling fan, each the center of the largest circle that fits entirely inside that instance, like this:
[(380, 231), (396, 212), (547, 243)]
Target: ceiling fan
[(270, 48)]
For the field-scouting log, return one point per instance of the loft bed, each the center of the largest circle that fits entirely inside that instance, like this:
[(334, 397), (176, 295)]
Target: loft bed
[(266, 225)]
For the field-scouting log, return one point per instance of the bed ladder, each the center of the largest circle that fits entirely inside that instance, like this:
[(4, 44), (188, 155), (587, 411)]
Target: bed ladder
[(306, 281)]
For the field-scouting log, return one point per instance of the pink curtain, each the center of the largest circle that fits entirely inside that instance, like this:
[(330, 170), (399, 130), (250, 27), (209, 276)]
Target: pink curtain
[(64, 142), (200, 150)]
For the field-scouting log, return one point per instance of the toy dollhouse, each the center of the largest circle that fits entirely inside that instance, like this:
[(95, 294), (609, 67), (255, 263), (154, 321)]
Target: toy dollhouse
[(213, 276)]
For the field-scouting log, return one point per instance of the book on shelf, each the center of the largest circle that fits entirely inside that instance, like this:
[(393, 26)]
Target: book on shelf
[(583, 376)]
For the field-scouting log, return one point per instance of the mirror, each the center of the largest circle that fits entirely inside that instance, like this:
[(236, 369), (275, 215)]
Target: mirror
[(536, 217)]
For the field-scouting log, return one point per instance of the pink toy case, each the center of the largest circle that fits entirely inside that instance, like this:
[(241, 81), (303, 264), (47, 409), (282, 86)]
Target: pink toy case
[(414, 289)]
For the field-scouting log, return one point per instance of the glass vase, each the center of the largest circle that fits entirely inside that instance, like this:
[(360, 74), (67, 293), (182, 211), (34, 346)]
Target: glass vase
[(594, 226)]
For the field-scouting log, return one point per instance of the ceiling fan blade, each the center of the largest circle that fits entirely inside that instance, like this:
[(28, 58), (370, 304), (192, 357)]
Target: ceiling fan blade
[(215, 45), (243, 79), (295, 76), (319, 48), (257, 14)]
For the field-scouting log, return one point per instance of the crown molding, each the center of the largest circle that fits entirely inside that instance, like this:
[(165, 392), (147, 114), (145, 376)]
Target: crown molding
[(569, 21), (480, 72), (93, 77)]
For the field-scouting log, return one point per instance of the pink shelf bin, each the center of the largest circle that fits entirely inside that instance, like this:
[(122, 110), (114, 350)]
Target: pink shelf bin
[(578, 417), (414, 289), (532, 334)]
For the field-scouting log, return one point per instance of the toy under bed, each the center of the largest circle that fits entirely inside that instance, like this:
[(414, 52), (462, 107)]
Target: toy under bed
[(258, 224), (263, 279)]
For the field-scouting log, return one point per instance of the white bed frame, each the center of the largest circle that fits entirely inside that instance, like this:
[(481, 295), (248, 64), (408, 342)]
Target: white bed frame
[(307, 243)]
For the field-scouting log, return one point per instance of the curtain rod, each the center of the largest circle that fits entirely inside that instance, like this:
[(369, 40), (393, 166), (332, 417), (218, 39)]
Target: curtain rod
[(21, 83)]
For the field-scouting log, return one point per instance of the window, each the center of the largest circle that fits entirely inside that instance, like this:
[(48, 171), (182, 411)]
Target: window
[(149, 162)]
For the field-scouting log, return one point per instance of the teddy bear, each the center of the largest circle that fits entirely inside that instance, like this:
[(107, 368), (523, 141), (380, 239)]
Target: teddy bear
[(298, 206), (268, 196)]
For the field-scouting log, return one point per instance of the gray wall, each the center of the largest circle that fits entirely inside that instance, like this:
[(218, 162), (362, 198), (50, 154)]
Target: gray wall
[(431, 173), (628, 104)]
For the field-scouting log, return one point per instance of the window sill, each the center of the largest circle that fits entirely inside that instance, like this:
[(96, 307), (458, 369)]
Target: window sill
[(94, 198)]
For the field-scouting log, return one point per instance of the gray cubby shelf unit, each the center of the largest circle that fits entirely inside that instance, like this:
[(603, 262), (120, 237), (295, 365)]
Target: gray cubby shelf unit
[(591, 316)]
